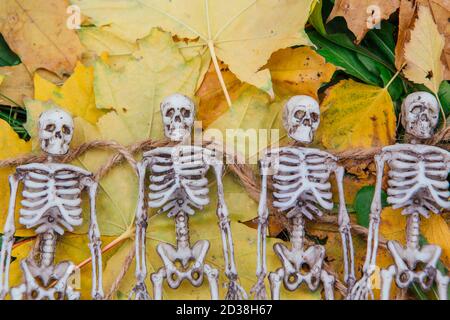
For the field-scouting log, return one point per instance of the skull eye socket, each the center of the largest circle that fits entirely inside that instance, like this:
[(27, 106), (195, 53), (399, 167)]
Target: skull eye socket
[(66, 129), (50, 128), (314, 117), (170, 112), (185, 112), (299, 114), (416, 109)]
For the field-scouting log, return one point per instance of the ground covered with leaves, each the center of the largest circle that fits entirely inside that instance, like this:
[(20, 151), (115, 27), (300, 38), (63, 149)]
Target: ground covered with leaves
[(112, 73)]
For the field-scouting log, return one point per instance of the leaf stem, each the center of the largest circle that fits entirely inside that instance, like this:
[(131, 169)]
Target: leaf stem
[(219, 74)]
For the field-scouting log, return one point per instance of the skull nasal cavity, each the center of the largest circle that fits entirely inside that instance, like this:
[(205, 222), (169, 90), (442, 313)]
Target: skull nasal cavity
[(177, 118), (307, 122), (58, 135), (423, 117)]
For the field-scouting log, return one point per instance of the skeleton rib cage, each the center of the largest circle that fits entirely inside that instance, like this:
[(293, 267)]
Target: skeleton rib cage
[(51, 196), (301, 181), (178, 180), (418, 178)]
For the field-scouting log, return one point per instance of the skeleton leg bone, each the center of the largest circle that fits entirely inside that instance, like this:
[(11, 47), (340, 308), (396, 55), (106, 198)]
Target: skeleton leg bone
[(275, 280), (442, 284), (328, 284), (387, 276), (213, 279), (158, 280)]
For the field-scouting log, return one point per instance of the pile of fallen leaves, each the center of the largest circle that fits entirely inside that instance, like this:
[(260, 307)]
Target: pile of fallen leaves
[(240, 60)]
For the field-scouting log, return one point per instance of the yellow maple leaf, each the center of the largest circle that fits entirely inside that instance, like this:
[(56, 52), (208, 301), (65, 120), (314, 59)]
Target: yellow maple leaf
[(10, 146), (356, 115), (242, 33), (423, 52), (101, 40), (76, 95), (134, 86), (37, 31), (300, 71)]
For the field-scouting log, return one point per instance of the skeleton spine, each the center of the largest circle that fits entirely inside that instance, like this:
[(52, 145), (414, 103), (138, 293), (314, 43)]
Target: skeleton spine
[(413, 230), (45, 248), (297, 232), (181, 229)]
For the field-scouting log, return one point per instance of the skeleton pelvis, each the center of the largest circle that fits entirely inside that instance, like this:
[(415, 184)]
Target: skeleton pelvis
[(46, 283), (301, 266), (410, 264), (184, 263)]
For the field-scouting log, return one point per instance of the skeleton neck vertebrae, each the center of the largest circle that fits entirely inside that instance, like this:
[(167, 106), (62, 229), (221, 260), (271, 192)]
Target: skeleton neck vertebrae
[(302, 189), (417, 183), (178, 187), (51, 205)]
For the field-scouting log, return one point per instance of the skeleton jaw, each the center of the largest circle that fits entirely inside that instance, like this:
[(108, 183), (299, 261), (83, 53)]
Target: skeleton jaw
[(54, 146), (421, 129), (302, 134), (177, 132)]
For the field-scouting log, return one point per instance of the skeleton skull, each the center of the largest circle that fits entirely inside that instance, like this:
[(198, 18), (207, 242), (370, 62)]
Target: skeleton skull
[(178, 112), (55, 131), (301, 118), (420, 114)]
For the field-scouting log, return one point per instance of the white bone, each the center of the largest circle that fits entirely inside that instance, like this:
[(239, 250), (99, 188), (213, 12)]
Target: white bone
[(417, 183), (51, 204), (301, 188), (178, 186)]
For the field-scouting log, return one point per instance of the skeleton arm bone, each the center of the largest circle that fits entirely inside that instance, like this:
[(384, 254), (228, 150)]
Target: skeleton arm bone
[(140, 290), (362, 287), (345, 231), (263, 214), (235, 291), (95, 242), (8, 237)]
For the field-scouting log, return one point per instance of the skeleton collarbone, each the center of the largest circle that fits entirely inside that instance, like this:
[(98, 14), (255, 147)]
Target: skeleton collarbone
[(417, 177), (51, 196), (178, 180), (302, 180)]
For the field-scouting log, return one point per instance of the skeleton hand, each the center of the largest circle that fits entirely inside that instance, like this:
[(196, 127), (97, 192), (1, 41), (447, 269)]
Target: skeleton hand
[(362, 288), (139, 292), (259, 289), (235, 291)]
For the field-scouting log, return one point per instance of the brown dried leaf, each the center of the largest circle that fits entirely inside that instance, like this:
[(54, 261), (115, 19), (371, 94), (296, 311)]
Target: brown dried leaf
[(362, 14), (36, 30), (440, 10), (16, 86)]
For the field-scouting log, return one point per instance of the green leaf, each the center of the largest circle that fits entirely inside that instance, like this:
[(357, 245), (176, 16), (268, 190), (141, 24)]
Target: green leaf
[(316, 19), (7, 57), (382, 41), (444, 96), (396, 88), (362, 203), (342, 57)]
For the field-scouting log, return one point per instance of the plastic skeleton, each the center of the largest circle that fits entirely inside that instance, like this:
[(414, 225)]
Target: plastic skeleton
[(178, 186), (301, 189), (418, 184), (51, 204)]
